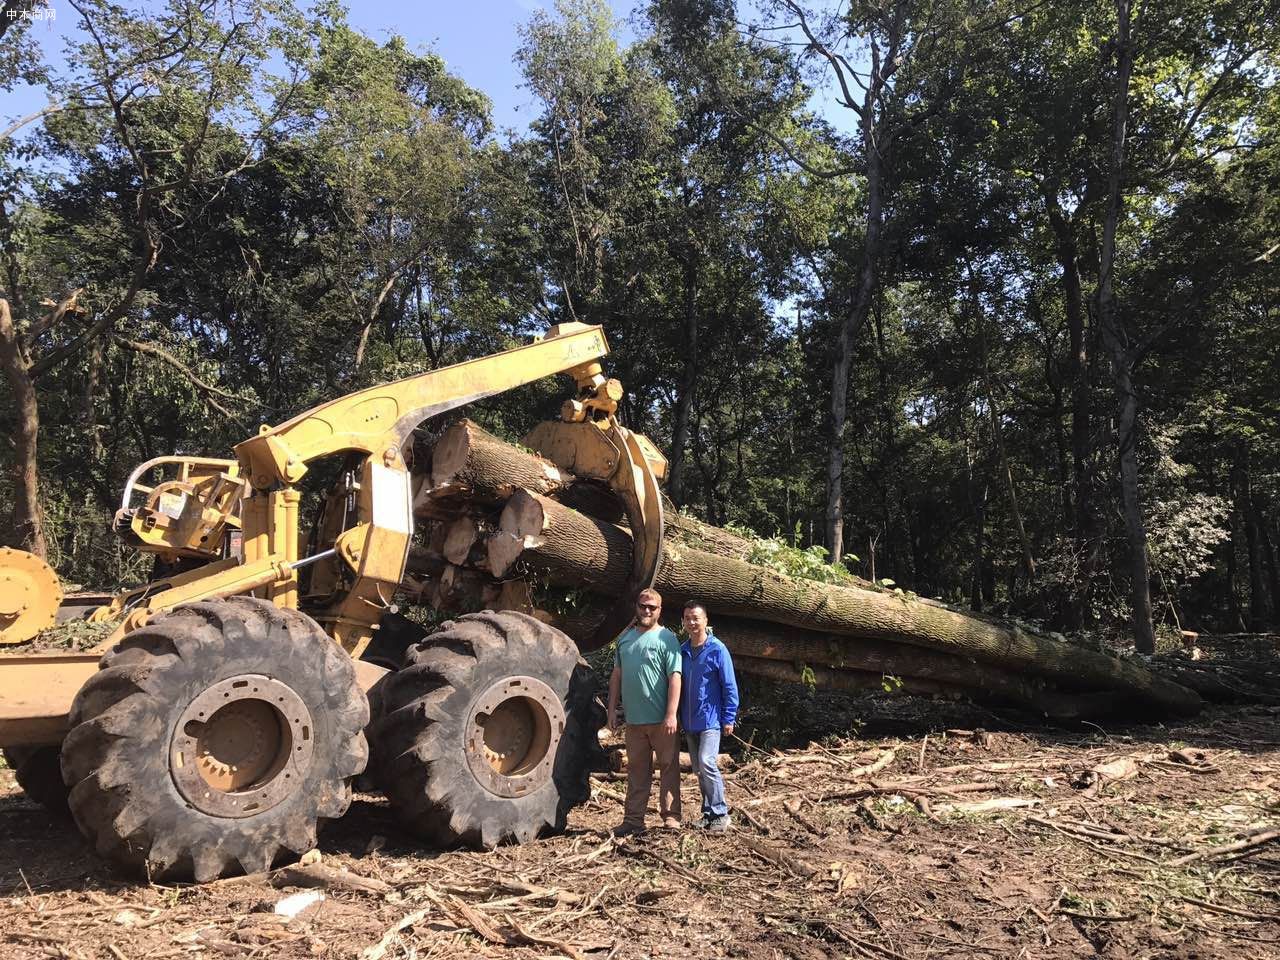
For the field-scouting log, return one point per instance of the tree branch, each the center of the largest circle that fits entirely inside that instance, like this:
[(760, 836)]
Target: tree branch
[(208, 389), (60, 309)]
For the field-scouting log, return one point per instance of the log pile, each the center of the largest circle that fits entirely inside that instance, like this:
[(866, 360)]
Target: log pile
[(503, 528)]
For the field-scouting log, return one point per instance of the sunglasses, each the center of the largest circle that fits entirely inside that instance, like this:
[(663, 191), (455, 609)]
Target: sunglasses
[(648, 606)]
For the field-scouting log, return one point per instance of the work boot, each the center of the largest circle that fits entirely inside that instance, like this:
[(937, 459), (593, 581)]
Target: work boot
[(627, 829), (719, 824), (671, 823)]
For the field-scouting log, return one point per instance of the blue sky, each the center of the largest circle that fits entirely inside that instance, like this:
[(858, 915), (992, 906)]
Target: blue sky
[(478, 39)]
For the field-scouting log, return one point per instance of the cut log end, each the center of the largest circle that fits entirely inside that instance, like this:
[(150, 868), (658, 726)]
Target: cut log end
[(460, 538)]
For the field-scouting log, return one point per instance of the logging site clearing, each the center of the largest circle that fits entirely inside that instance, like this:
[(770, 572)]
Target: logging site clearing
[(941, 830)]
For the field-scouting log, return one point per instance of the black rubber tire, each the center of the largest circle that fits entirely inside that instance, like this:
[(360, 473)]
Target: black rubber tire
[(419, 740), (391, 641), (116, 755), (38, 771), (395, 635)]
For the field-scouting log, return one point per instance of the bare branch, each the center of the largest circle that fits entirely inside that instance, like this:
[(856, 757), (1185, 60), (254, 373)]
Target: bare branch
[(30, 118), (800, 161), (109, 318), (821, 48), (1265, 256), (209, 390), (68, 304)]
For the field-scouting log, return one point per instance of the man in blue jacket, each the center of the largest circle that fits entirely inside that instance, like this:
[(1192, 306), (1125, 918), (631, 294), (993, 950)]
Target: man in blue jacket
[(708, 708)]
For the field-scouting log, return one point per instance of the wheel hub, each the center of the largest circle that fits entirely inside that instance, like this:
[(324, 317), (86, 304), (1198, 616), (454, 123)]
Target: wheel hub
[(242, 746), (29, 595), (512, 734)]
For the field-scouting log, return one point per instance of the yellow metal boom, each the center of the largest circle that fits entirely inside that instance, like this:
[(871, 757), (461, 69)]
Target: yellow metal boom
[(360, 555)]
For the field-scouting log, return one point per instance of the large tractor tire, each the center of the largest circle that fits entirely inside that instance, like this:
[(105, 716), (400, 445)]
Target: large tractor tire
[(488, 731), (215, 739), (38, 771)]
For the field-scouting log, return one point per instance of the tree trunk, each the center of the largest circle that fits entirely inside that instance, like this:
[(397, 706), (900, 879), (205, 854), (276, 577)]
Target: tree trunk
[(28, 521), (982, 682), (828, 678), (978, 502), (473, 462), (1273, 574), (1015, 511), (688, 379), (1121, 360), (1234, 614), (462, 543), (88, 415), (850, 324), (1253, 543), (576, 551), (1081, 486)]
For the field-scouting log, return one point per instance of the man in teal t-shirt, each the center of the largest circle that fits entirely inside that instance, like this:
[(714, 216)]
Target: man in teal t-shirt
[(646, 673)]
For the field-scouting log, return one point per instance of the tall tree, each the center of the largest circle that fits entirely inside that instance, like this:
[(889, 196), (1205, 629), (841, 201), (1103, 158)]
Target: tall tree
[(146, 103)]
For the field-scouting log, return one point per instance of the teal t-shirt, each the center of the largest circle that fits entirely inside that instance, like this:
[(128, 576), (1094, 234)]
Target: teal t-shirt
[(647, 660)]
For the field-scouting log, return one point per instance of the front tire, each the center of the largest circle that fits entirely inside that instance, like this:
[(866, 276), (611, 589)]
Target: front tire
[(215, 739), (487, 732)]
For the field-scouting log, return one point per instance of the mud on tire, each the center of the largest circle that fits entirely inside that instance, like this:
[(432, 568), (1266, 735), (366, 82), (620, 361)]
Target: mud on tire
[(133, 753), (432, 754)]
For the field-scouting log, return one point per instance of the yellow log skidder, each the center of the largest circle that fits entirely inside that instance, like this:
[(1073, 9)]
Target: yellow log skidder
[(226, 715)]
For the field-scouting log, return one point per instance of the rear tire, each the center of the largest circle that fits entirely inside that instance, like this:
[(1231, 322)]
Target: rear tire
[(488, 731), (215, 739), (38, 771)]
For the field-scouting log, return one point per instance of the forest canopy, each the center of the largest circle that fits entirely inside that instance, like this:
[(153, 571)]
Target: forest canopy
[(1001, 326)]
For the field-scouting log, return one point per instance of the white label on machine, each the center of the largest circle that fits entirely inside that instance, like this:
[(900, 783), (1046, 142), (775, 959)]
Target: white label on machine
[(391, 508), (171, 504)]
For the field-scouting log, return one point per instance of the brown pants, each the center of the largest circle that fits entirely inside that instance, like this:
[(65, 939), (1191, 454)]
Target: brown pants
[(643, 741)]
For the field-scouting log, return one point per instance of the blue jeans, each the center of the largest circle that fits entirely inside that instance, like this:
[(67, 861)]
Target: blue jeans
[(704, 749)]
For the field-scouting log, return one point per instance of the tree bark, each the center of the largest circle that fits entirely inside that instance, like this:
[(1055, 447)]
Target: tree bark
[(573, 550), (979, 681), (831, 679), (1121, 359), (850, 324), (468, 459), (1253, 542), (688, 379), (28, 520), (1087, 541)]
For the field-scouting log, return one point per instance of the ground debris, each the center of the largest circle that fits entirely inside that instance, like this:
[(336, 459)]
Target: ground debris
[(984, 841)]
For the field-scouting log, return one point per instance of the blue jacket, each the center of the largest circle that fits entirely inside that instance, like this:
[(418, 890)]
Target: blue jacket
[(708, 689)]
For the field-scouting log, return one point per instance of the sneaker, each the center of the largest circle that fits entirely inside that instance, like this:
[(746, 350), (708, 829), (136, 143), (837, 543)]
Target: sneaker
[(671, 823), (701, 823), (719, 824), (627, 829)]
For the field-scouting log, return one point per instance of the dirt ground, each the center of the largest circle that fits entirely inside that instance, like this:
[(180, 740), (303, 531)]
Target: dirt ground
[(935, 832)]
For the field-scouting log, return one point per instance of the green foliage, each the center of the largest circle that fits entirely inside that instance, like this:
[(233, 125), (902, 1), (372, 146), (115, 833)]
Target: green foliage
[(332, 211), (807, 563)]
